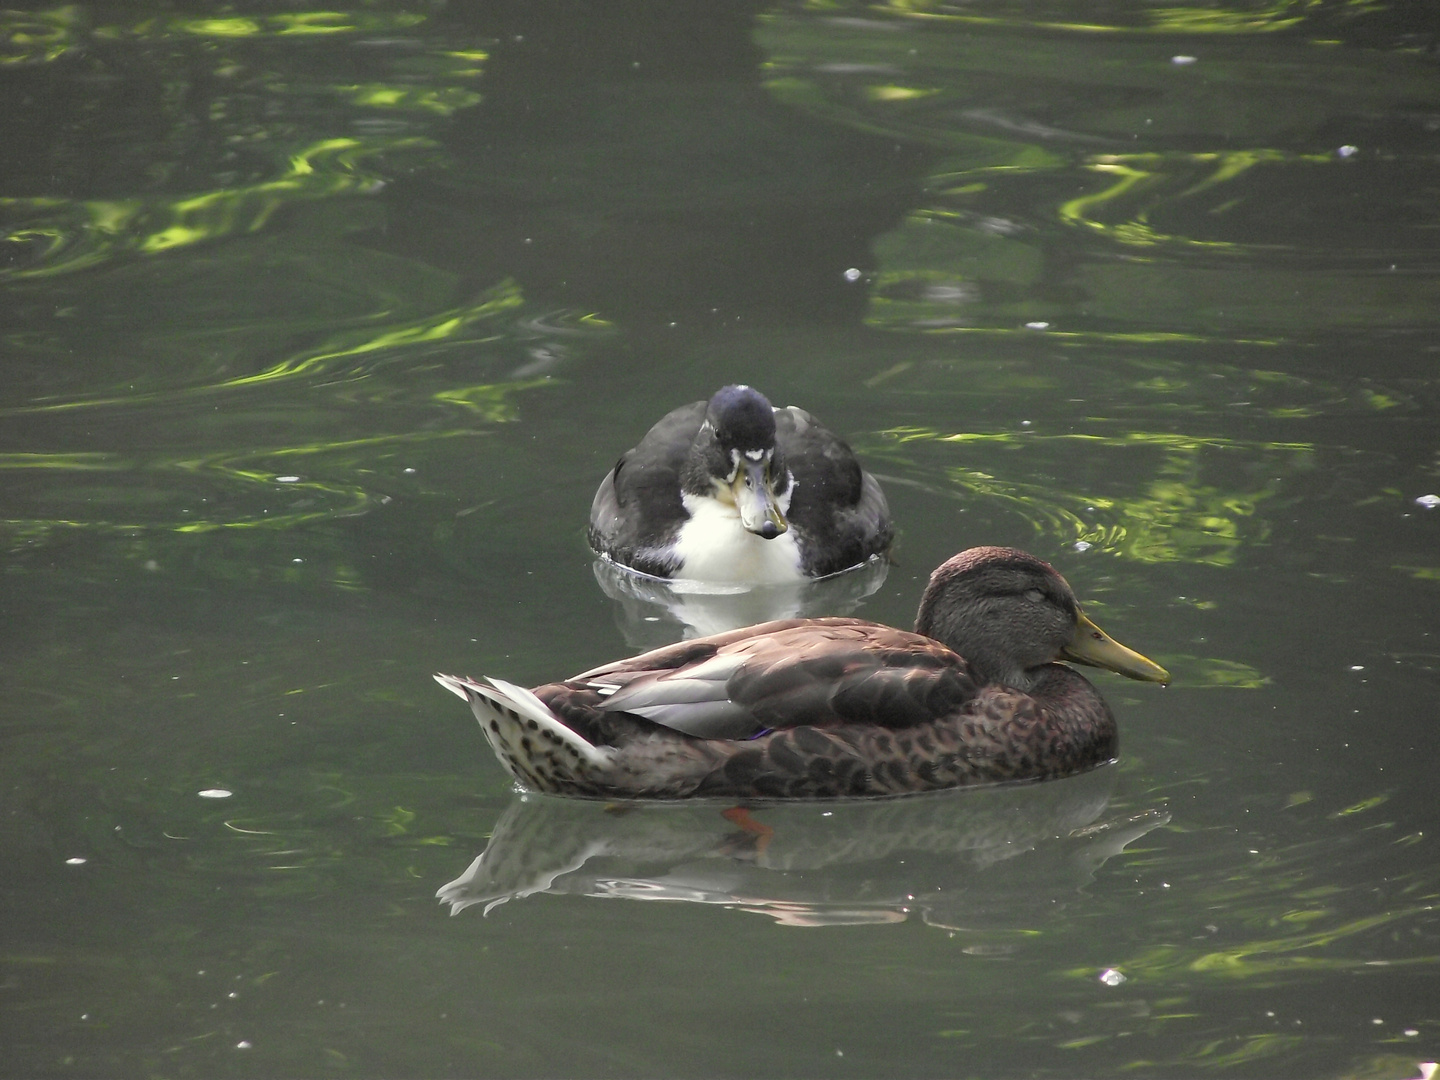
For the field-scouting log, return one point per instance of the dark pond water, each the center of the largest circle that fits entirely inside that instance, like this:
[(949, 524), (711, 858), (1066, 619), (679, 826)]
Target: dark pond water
[(319, 328)]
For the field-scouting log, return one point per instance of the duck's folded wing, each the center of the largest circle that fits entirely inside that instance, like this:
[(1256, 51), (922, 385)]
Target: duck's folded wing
[(821, 672), (694, 699)]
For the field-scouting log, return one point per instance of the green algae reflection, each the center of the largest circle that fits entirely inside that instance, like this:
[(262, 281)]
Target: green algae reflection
[(1176, 516)]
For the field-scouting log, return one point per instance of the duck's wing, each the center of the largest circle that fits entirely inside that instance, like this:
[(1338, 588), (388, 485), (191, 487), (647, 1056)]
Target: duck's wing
[(837, 506), (820, 672), (638, 504)]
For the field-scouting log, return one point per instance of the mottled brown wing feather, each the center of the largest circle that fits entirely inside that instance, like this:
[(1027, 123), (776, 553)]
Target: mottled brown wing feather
[(819, 672), (861, 673)]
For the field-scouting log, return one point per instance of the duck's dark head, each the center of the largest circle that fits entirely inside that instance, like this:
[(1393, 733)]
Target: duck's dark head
[(1009, 613), (735, 459)]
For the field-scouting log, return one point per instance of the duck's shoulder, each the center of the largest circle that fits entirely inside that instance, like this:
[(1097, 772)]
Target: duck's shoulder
[(838, 507), (805, 438), (670, 437), (656, 460), (638, 505)]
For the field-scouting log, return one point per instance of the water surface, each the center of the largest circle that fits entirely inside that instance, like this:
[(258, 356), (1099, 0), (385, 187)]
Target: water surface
[(320, 328)]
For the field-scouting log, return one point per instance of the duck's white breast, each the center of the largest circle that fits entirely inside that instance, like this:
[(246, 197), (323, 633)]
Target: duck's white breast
[(714, 546)]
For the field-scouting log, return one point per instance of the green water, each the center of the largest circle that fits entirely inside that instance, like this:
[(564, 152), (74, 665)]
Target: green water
[(318, 331)]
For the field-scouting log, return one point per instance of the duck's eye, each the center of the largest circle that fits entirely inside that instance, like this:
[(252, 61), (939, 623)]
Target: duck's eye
[(1034, 595)]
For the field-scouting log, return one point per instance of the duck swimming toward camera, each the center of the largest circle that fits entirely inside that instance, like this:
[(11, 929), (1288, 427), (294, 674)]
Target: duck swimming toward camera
[(823, 708), (734, 490)]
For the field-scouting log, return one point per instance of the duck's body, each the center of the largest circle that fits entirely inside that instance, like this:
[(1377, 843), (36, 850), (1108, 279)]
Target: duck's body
[(820, 708), (733, 490)]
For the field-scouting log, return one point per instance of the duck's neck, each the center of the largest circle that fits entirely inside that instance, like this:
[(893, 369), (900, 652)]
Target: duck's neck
[(969, 632)]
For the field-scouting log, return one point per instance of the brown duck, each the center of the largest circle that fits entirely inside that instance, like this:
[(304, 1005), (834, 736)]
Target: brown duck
[(825, 708)]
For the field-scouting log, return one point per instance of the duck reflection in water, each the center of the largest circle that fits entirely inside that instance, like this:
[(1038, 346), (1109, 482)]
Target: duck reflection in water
[(979, 859), (652, 612)]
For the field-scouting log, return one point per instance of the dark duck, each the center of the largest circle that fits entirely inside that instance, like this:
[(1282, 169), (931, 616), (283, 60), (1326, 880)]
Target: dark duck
[(734, 490), (825, 708)]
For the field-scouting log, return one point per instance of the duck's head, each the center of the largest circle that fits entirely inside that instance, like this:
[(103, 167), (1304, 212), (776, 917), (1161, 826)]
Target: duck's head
[(1008, 613), (735, 459)]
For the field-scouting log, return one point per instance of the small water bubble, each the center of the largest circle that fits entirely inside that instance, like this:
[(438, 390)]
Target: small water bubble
[(1429, 502), (214, 793), (76, 861), (853, 274), (408, 471), (243, 1044), (1082, 545), (1347, 150), (1183, 60), (287, 479), (1037, 326), (1111, 977), (1357, 667)]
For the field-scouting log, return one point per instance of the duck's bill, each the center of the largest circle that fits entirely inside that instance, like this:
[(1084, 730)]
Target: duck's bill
[(760, 513), (1091, 645)]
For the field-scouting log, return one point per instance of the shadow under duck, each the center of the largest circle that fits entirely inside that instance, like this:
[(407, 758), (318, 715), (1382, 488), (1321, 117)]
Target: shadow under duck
[(824, 708), (736, 490)]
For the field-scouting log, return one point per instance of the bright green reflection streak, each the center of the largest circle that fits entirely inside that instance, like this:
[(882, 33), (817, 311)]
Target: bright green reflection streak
[(416, 99), (1166, 20), (1212, 673), (1299, 910), (31, 37), (1128, 168), (305, 22), (229, 467), (71, 462), (1178, 520), (1273, 955), (1149, 337), (445, 326), (1151, 438), (321, 171)]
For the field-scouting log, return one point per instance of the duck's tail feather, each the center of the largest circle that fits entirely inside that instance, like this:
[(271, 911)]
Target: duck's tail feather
[(529, 739)]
